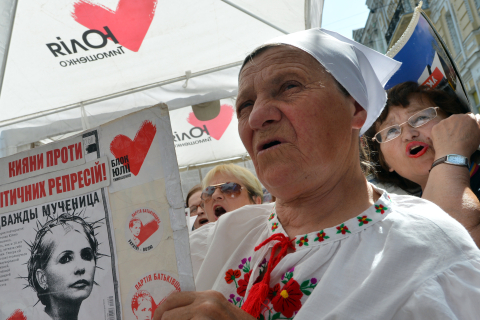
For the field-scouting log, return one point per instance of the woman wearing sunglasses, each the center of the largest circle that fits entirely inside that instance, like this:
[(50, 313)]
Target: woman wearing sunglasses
[(228, 187), (423, 143)]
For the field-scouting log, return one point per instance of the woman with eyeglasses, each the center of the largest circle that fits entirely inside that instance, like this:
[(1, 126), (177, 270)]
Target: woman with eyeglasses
[(228, 187), (194, 203), (425, 143)]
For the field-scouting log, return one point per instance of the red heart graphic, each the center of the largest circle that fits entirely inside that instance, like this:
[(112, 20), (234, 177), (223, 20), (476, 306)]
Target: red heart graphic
[(147, 230), (129, 23), (217, 126), (17, 315), (137, 149)]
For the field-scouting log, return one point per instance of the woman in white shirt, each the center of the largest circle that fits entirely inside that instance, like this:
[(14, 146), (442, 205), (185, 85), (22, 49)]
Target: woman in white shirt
[(333, 246)]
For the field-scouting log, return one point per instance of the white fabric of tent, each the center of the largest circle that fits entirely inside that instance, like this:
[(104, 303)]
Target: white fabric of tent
[(190, 54)]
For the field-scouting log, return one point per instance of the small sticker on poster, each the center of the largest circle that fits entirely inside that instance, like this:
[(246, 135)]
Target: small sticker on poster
[(144, 230)]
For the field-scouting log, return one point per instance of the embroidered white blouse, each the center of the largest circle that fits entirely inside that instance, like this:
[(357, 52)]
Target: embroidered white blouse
[(402, 258)]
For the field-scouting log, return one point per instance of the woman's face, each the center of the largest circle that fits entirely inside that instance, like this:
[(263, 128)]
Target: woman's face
[(195, 210), (220, 203), (412, 153), (145, 309), (299, 129), (70, 272), (136, 228)]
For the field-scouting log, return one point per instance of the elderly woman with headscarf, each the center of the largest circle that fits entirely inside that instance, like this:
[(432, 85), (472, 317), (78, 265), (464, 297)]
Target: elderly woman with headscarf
[(333, 246)]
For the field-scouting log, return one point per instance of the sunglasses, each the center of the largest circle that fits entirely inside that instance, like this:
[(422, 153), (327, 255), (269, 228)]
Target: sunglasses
[(417, 120), (231, 189)]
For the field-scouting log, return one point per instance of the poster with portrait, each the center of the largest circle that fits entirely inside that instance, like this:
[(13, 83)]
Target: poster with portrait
[(93, 227), (426, 59), (59, 255)]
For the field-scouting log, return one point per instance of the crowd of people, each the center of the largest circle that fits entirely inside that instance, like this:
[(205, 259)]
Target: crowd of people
[(335, 244)]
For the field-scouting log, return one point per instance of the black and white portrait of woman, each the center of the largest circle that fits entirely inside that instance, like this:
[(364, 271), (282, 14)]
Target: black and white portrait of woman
[(61, 268)]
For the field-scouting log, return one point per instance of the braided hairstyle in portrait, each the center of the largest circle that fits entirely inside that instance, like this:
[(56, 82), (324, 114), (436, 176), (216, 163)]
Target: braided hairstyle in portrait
[(62, 264)]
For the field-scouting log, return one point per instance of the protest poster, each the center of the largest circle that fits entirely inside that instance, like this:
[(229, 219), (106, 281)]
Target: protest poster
[(426, 59), (93, 227)]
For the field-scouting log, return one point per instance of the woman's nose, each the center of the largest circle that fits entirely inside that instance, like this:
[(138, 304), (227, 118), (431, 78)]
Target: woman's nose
[(263, 113), (217, 194), (79, 271), (409, 133)]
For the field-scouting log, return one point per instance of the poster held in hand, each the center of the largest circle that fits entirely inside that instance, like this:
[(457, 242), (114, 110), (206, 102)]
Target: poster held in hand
[(93, 230)]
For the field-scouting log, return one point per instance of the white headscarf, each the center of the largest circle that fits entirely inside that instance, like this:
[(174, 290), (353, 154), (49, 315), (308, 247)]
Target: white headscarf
[(360, 70)]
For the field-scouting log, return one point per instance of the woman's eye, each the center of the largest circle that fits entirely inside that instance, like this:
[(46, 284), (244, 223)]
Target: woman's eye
[(420, 119), (290, 86), (66, 258), (242, 107), (86, 254), (391, 133)]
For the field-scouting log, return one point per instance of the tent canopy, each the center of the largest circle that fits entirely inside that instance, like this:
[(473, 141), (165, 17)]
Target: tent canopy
[(68, 65)]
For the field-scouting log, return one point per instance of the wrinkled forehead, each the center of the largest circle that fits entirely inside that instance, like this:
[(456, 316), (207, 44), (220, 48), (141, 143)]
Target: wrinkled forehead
[(287, 50), (277, 54), (270, 63)]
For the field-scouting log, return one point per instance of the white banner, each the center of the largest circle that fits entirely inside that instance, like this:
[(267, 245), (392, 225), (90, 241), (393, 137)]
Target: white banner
[(83, 50), (199, 141)]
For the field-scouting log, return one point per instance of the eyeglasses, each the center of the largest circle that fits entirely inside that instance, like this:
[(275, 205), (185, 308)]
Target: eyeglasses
[(417, 120), (194, 209), (231, 189)]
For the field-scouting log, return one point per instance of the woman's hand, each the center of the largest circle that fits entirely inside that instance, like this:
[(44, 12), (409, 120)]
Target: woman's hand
[(458, 134), (449, 186), (199, 305)]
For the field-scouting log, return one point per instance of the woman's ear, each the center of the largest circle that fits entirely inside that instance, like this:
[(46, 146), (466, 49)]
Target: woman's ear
[(258, 200), (359, 115), (41, 279)]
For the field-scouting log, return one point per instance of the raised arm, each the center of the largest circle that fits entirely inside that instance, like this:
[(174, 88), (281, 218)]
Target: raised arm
[(448, 185)]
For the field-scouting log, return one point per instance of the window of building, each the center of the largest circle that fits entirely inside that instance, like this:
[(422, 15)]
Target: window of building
[(407, 6), (453, 34)]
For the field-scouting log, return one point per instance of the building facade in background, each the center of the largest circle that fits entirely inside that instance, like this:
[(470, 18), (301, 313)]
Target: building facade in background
[(457, 21)]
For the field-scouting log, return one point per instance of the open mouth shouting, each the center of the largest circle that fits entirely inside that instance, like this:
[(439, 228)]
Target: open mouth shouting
[(202, 221), (219, 210), (416, 149)]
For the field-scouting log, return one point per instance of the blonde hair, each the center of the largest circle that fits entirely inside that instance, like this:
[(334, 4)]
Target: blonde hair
[(245, 177)]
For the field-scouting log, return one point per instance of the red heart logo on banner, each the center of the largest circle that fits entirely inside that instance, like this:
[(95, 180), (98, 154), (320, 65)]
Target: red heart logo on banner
[(129, 23), (137, 149), (147, 230), (17, 315), (218, 125)]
